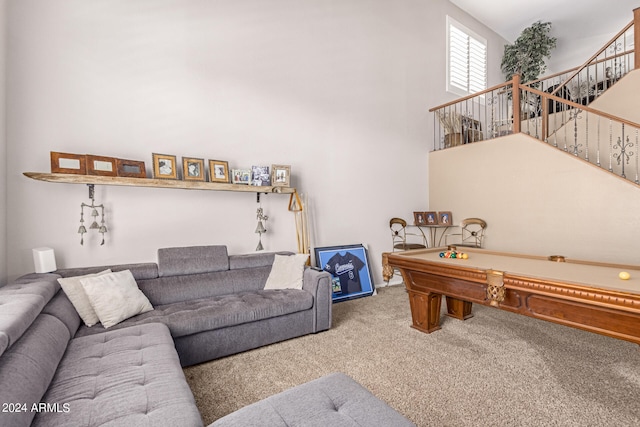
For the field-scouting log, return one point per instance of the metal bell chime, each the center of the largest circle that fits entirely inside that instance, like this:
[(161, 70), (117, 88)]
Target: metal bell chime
[(102, 228), (260, 230)]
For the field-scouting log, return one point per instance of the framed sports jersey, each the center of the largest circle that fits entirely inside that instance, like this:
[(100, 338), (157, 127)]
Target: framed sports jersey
[(349, 268)]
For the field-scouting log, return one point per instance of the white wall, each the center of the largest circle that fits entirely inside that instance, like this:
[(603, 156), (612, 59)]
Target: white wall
[(339, 89), (622, 99), (3, 146), (538, 200), (574, 51)]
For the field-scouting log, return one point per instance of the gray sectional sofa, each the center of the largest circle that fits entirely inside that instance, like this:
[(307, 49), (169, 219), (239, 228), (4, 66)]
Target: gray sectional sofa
[(214, 303), (57, 371), (207, 305)]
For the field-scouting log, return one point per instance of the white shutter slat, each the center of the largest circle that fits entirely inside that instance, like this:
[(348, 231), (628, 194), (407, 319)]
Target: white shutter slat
[(467, 62)]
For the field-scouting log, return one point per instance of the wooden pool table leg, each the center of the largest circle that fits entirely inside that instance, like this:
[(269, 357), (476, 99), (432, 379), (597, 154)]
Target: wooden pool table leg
[(459, 309), (387, 270), (425, 310)]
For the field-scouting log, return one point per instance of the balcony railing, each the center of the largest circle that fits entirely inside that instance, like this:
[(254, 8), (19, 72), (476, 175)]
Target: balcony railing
[(474, 118), (600, 138)]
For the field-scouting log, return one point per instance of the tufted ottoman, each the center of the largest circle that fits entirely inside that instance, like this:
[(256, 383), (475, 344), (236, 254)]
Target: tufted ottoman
[(334, 400)]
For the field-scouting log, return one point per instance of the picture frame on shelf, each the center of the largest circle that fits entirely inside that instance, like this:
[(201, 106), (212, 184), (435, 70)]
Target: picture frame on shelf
[(193, 169), (260, 176), (101, 165), (445, 218), (131, 168), (165, 166), (218, 171), (281, 175), (431, 217), (349, 269), (240, 176), (419, 218), (68, 163)]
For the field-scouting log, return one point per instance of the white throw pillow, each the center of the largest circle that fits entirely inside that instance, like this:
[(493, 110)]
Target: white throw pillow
[(115, 297), (286, 272), (78, 297)]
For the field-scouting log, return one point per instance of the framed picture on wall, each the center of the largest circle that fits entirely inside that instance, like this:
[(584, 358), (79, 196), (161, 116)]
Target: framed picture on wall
[(131, 168), (240, 176), (68, 163), (281, 175), (165, 166), (260, 176), (349, 268), (193, 169), (101, 165), (218, 171), (431, 218), (445, 218)]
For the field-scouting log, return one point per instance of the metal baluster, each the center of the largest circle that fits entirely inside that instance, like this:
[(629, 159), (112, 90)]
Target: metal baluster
[(473, 116), (509, 101), (524, 111), (590, 85), (434, 129), (555, 124), (637, 149), (598, 147), (494, 130), (537, 117), (458, 114), (586, 136), (470, 114), (486, 121), (596, 91), (575, 146), (623, 155), (564, 125), (610, 147), (502, 115)]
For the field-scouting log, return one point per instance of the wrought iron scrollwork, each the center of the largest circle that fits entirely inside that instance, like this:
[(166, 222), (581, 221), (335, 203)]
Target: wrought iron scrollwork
[(624, 155), (575, 147)]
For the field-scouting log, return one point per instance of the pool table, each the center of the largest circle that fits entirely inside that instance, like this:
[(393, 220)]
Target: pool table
[(581, 294)]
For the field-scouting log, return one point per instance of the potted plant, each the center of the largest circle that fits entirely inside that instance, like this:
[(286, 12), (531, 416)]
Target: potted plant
[(526, 56)]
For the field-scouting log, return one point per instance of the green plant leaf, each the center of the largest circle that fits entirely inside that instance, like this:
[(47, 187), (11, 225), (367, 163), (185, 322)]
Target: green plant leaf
[(526, 56)]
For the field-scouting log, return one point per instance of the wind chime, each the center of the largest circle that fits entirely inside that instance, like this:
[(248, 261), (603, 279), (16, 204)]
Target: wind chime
[(260, 230), (102, 228)]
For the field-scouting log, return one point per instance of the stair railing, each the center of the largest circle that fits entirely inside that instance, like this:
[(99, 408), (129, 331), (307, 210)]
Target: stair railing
[(603, 139), (587, 82), (550, 110)]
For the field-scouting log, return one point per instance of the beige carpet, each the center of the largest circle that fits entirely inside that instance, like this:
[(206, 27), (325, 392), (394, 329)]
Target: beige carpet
[(495, 369)]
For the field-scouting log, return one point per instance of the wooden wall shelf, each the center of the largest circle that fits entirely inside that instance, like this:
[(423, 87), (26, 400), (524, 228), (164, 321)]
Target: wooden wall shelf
[(155, 183)]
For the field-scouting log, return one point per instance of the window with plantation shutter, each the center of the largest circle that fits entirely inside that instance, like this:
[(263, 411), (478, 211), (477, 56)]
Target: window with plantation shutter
[(466, 60)]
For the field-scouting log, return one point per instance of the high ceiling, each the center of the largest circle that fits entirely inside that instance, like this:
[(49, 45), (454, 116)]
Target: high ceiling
[(569, 19)]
